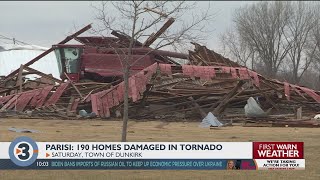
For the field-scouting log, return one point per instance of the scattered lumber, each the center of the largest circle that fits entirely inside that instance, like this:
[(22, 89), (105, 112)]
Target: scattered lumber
[(165, 89)]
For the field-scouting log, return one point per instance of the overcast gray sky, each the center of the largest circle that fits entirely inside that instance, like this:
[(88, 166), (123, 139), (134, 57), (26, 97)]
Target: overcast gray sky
[(46, 23)]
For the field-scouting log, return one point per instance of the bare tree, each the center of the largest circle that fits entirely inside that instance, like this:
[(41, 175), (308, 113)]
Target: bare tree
[(262, 27), (314, 50), (301, 53), (284, 36), (316, 36), (139, 19), (233, 45)]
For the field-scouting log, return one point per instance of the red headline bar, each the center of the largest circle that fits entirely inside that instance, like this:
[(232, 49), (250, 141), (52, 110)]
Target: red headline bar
[(277, 150)]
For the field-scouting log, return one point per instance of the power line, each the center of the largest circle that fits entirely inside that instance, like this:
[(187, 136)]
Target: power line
[(13, 39)]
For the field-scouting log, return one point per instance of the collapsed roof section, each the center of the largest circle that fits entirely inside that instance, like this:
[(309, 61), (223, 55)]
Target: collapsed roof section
[(209, 83)]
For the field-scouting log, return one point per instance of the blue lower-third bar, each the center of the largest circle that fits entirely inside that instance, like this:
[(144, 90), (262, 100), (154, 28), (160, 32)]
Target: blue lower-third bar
[(127, 164)]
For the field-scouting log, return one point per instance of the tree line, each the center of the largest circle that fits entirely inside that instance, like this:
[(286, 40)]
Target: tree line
[(277, 39)]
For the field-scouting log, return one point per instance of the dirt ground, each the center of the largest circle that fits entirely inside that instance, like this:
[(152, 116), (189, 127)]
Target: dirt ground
[(96, 130)]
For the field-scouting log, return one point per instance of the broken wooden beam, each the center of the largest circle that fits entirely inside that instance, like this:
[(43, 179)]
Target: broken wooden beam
[(196, 105), (226, 99), (71, 82), (155, 11), (267, 98), (19, 78), (154, 37), (42, 74)]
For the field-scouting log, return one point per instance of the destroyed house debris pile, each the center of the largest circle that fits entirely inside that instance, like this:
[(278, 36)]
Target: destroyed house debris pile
[(162, 90)]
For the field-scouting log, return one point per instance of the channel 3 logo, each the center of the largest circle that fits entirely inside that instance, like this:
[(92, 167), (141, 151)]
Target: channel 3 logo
[(23, 151)]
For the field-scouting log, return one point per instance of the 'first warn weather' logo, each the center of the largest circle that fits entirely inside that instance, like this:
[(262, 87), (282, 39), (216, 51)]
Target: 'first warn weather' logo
[(23, 151)]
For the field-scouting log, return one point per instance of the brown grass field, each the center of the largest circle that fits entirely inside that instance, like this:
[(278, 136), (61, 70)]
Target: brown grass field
[(94, 130)]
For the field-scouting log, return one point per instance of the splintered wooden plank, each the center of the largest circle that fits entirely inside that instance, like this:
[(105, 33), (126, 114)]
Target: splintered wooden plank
[(5, 99), (39, 100), (133, 89), (287, 90), (72, 99), (56, 95), (120, 90), (196, 105), (311, 93), (8, 105), (109, 97), (100, 106), (42, 74), (115, 97), (75, 87), (227, 98), (298, 92), (23, 100), (19, 78), (36, 95), (143, 84), (154, 37), (13, 104), (75, 104), (94, 104), (105, 104), (88, 97), (268, 98)]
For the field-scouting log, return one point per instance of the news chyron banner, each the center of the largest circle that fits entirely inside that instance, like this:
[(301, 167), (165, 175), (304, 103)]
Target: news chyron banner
[(25, 153)]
